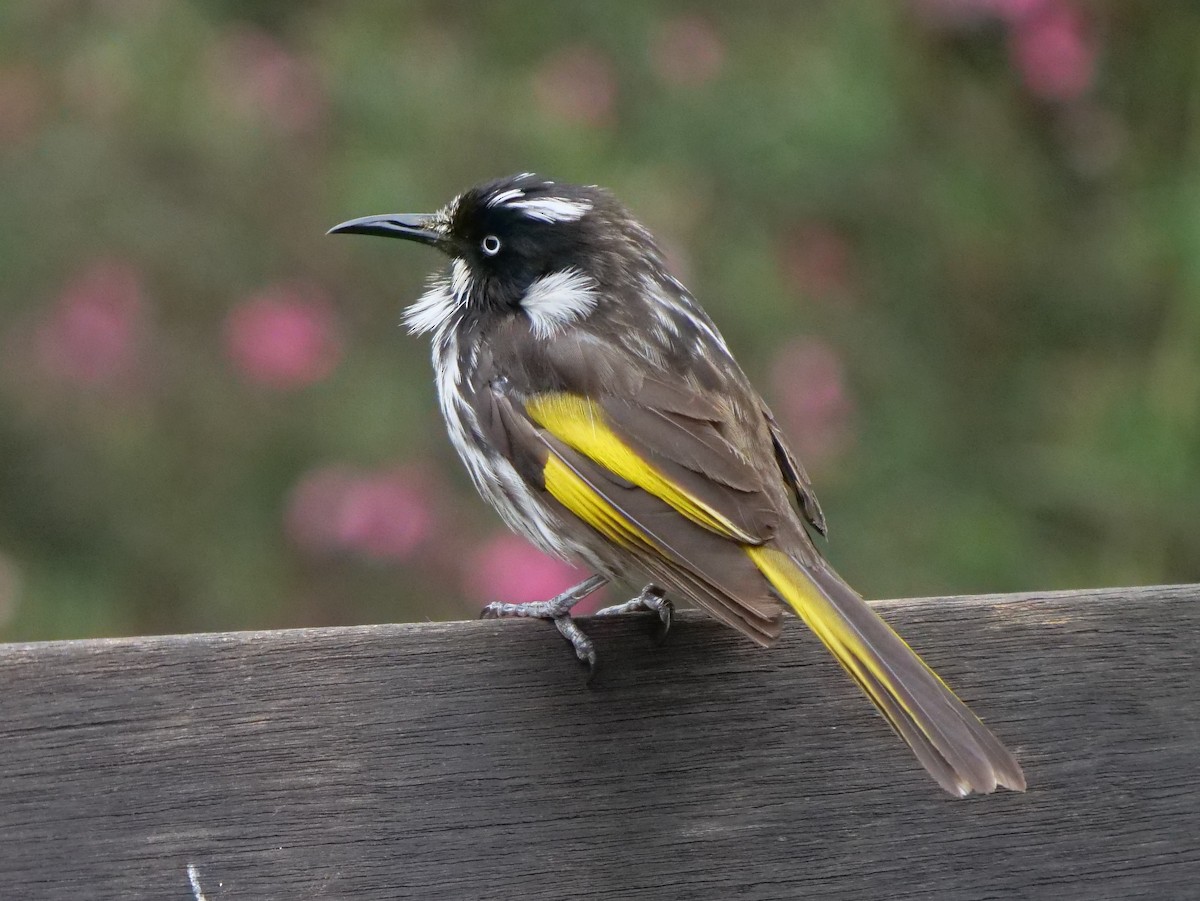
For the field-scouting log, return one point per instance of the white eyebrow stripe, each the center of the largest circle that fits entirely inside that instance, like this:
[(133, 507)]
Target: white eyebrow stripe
[(505, 196), (553, 209), (558, 299)]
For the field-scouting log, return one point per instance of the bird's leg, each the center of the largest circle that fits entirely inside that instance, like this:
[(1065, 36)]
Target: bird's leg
[(558, 610), (650, 598)]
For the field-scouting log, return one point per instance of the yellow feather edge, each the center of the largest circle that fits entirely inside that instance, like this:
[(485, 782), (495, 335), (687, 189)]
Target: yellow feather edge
[(817, 612), (581, 499), (820, 615), (579, 423)]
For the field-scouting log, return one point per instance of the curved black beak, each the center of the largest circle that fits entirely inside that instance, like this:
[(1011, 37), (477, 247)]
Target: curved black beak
[(420, 227)]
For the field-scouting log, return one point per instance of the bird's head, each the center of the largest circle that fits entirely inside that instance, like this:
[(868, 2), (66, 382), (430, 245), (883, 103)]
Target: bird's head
[(521, 244)]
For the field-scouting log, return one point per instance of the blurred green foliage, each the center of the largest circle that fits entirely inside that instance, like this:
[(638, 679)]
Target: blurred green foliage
[(957, 242)]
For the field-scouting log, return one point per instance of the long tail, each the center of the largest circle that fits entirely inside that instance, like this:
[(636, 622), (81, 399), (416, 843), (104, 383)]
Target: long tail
[(949, 740)]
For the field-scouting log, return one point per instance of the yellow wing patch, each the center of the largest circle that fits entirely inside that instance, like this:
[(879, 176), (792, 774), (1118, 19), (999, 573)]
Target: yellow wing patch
[(581, 499), (579, 423)]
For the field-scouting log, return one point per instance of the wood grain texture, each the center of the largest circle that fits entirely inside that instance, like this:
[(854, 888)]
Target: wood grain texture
[(469, 761)]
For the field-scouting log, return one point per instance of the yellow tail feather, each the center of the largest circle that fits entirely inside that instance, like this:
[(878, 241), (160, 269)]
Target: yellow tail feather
[(822, 618), (949, 740)]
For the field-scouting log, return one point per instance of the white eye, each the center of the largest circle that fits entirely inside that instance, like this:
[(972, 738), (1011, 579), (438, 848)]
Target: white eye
[(491, 245)]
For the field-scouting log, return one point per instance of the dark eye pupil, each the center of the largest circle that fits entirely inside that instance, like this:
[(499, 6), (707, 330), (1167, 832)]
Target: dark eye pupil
[(491, 245)]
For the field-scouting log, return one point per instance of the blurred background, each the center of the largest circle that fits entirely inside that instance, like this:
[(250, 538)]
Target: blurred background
[(956, 243)]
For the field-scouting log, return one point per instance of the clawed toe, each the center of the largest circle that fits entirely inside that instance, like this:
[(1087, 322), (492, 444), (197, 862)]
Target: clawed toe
[(666, 616), (558, 611), (585, 651), (650, 599)]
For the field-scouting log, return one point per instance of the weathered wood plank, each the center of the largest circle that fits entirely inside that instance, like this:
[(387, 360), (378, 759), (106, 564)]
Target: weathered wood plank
[(469, 761)]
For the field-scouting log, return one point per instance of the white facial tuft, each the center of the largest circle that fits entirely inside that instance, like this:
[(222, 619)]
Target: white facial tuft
[(556, 300), (430, 310), (437, 308)]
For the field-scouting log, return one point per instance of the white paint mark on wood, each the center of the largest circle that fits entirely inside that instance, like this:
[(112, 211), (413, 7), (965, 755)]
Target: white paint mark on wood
[(193, 875)]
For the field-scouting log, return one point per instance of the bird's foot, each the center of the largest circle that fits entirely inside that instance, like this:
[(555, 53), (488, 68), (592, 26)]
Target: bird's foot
[(651, 598), (558, 611), (584, 649)]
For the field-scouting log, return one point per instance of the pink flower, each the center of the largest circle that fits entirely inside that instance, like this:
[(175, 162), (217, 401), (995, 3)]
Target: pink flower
[(284, 337), (508, 568), (93, 335), (688, 52), (385, 514), (1053, 52), (261, 78), (811, 400), (578, 85), (1049, 43)]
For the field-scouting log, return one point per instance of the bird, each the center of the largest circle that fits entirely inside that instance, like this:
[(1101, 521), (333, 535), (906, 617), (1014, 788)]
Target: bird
[(599, 410)]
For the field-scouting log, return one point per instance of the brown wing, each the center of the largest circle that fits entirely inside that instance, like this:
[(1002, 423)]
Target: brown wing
[(714, 448), (795, 476)]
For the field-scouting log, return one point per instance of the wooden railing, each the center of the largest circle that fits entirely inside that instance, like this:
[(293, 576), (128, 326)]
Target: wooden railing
[(470, 761)]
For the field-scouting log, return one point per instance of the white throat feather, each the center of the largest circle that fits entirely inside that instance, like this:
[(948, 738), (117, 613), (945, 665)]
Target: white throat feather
[(442, 303)]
